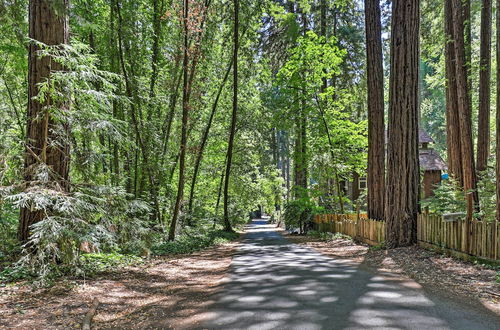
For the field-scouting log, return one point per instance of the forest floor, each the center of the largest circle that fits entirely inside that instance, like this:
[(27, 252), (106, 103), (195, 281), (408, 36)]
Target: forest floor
[(160, 293), (177, 291), (434, 271)]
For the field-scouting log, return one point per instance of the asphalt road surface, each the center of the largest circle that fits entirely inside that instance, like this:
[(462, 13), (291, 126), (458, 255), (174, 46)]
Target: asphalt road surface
[(274, 284)]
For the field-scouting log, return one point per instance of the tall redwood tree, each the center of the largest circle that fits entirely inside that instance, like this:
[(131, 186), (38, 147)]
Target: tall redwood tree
[(483, 134), (376, 134), (452, 121), (402, 186), (47, 143), (464, 111)]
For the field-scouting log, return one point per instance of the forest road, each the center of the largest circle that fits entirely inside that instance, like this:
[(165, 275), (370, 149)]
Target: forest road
[(274, 284)]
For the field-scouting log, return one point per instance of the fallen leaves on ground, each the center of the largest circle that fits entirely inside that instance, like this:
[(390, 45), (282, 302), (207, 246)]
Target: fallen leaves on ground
[(158, 294)]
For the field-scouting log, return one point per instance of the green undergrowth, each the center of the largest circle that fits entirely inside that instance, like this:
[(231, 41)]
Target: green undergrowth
[(91, 264), (327, 236), (95, 263), (192, 241)]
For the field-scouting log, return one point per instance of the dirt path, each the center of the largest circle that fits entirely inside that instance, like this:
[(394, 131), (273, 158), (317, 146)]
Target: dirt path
[(164, 293), (276, 284)]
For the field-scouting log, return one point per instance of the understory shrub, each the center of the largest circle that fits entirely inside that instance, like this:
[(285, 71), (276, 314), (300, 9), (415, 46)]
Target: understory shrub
[(194, 239), (94, 263), (449, 197), (300, 212)]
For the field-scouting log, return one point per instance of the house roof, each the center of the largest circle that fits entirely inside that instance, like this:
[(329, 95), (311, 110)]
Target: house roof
[(423, 136), (431, 161)]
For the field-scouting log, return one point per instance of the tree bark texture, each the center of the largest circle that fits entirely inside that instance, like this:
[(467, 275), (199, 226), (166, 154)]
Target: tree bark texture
[(185, 114), (452, 121), (232, 131), (464, 111), (483, 137), (402, 186), (47, 140), (376, 128)]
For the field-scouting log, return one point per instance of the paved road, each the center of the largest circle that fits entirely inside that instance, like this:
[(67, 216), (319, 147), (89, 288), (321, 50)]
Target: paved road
[(274, 284)]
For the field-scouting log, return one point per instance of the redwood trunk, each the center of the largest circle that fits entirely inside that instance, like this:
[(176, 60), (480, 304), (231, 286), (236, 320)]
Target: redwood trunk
[(464, 111), (402, 188), (452, 121), (376, 134), (46, 142), (483, 137)]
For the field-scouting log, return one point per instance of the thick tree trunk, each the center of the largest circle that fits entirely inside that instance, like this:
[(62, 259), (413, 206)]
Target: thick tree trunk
[(46, 143), (232, 131), (185, 114), (376, 129), (452, 121), (483, 137), (402, 187), (464, 111), (467, 33)]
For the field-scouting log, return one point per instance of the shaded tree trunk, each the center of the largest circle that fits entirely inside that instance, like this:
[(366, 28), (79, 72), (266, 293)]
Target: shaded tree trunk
[(185, 113), (376, 129), (402, 187), (204, 137), (498, 111), (464, 111), (452, 121), (232, 131), (483, 137), (47, 139)]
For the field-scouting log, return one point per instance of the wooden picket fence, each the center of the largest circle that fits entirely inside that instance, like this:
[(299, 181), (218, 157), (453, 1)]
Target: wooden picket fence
[(357, 226), (460, 238)]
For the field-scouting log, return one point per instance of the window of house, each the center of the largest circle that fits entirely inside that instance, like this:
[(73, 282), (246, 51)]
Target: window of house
[(362, 183)]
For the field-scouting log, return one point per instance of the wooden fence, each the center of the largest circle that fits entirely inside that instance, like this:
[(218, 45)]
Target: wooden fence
[(461, 238), (358, 227)]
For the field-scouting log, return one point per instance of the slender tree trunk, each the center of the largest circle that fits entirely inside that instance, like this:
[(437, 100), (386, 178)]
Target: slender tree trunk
[(185, 113), (498, 111), (204, 137), (483, 138), (402, 187), (376, 129), (464, 112), (227, 222), (47, 139), (452, 119), (136, 118)]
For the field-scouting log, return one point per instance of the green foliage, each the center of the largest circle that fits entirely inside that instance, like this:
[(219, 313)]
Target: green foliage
[(448, 198), (98, 216), (380, 246), (94, 263), (193, 240), (300, 211), (15, 274)]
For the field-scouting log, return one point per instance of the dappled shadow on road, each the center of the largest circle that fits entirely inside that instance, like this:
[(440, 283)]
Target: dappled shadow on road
[(274, 284)]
